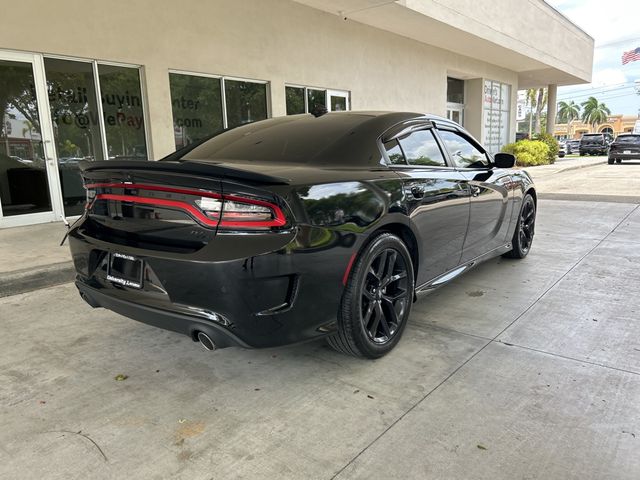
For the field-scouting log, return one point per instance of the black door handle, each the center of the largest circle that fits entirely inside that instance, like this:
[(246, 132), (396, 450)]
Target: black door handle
[(417, 192)]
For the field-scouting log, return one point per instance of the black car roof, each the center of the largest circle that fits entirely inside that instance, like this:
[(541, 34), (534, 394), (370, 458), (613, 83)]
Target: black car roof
[(340, 138)]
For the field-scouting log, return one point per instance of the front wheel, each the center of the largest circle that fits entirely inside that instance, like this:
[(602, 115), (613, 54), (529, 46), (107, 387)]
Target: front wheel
[(618, 161), (376, 300), (610, 161), (525, 229)]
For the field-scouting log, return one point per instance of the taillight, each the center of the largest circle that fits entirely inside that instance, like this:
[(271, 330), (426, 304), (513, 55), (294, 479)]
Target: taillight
[(240, 212), (211, 209)]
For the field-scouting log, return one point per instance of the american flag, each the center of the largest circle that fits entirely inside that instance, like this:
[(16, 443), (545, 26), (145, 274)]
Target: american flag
[(631, 56)]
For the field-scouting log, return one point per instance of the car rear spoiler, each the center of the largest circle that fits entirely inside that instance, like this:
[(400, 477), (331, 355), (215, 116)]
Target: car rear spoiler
[(184, 167)]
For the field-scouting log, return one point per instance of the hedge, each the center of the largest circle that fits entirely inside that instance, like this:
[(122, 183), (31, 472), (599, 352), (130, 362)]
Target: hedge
[(551, 142), (529, 152)]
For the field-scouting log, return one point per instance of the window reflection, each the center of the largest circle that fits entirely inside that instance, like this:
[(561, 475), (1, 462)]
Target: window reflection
[(463, 153), (76, 129), (294, 100), (420, 148), (123, 114), (23, 179), (196, 104), (246, 102), (316, 99)]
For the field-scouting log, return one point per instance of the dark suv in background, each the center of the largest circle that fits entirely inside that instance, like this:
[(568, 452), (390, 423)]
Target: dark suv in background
[(595, 143), (625, 147)]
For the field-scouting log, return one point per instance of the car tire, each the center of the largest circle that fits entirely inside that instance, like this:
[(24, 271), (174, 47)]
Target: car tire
[(377, 299), (610, 161), (525, 229), (618, 160)]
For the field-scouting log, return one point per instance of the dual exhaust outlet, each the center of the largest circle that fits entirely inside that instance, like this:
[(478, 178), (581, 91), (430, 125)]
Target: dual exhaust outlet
[(205, 341)]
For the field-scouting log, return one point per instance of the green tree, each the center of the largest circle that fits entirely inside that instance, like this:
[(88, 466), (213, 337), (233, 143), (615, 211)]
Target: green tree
[(568, 111), (594, 112)]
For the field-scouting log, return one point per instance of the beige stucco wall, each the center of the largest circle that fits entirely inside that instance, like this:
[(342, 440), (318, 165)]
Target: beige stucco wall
[(275, 40)]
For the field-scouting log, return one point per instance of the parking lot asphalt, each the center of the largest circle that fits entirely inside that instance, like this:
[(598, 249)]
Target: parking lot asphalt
[(519, 369)]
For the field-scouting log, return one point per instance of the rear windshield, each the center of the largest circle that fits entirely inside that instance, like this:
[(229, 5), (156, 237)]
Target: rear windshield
[(628, 139), (292, 139), (592, 135)]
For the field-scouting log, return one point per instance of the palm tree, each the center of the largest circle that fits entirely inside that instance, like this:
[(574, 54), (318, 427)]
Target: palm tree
[(594, 112), (567, 113)]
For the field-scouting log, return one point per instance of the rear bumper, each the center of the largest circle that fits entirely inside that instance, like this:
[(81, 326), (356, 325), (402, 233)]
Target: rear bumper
[(164, 319), (256, 299), (624, 156), (594, 149)]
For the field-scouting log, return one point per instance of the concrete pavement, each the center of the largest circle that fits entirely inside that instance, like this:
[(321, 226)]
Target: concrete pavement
[(519, 369), (31, 258)]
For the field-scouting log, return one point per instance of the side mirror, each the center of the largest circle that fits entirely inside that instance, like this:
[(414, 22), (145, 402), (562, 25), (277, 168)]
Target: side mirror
[(504, 160)]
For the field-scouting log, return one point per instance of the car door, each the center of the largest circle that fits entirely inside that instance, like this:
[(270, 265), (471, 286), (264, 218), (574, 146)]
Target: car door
[(436, 198), (491, 194)]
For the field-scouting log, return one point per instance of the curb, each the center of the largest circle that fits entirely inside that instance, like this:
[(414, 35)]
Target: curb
[(578, 167), (21, 281)]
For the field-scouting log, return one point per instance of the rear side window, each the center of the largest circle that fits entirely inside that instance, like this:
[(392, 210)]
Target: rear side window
[(463, 152), (396, 157), (421, 148)]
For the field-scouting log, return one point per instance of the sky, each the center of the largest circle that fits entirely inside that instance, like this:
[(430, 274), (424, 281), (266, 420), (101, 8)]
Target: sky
[(615, 27)]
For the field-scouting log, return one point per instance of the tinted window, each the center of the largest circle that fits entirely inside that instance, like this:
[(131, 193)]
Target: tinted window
[(295, 100), (421, 148), (628, 139), (122, 108), (463, 153), (396, 157), (246, 102), (196, 104)]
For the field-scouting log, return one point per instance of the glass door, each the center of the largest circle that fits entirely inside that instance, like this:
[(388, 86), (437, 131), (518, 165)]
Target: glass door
[(28, 180)]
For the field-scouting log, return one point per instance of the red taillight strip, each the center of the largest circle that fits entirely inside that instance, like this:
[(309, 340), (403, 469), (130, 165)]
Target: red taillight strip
[(278, 221), (161, 203)]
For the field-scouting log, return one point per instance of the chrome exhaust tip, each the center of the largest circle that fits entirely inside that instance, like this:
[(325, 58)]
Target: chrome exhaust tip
[(206, 341)]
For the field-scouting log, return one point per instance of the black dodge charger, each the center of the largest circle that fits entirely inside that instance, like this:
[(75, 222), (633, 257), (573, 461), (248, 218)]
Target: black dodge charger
[(298, 227)]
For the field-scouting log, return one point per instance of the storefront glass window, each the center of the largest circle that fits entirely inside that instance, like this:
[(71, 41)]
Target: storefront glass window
[(123, 113), (23, 178), (496, 115), (316, 99), (76, 126), (246, 102), (295, 100), (196, 103), (455, 90)]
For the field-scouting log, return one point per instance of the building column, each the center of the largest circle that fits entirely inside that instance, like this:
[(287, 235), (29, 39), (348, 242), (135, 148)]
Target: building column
[(552, 99)]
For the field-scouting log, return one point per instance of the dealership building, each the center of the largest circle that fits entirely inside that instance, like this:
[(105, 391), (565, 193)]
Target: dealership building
[(92, 80)]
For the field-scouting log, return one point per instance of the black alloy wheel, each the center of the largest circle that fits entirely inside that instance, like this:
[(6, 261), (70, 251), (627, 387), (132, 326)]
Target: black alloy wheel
[(377, 299), (525, 229)]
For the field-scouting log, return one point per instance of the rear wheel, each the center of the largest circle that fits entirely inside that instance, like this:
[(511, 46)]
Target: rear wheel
[(377, 299), (523, 236)]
